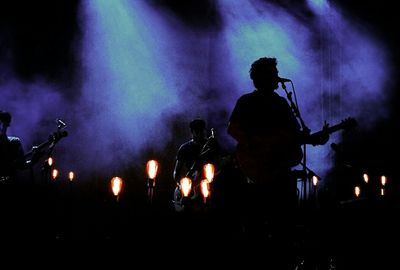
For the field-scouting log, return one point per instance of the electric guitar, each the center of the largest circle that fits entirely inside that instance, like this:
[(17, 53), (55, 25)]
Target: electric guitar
[(261, 158), (37, 151), (195, 174)]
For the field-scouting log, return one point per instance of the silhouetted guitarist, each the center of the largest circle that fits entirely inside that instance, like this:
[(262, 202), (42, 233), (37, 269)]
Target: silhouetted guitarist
[(192, 155), (12, 155), (269, 140), (11, 151), (268, 134)]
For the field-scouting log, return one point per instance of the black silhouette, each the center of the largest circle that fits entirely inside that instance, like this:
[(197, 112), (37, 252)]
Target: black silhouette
[(192, 156), (269, 139), (11, 151)]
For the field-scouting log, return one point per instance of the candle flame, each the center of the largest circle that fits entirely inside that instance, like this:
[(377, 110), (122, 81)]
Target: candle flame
[(315, 180), (116, 185), (205, 188), (54, 174), (71, 176), (383, 180), (152, 168), (382, 192), (366, 178), (186, 186), (50, 161), (357, 191), (209, 171)]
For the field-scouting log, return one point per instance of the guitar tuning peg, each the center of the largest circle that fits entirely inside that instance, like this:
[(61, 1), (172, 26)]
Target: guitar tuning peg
[(60, 123)]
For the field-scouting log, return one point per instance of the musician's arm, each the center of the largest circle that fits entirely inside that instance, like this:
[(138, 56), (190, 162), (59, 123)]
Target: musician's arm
[(235, 130), (317, 138), (177, 170), (34, 155), (19, 162)]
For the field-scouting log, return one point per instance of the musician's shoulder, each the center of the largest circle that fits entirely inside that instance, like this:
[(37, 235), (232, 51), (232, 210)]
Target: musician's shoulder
[(14, 139), (249, 95), (186, 145)]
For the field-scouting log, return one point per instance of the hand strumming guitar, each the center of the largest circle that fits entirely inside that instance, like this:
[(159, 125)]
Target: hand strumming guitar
[(321, 137), (318, 138)]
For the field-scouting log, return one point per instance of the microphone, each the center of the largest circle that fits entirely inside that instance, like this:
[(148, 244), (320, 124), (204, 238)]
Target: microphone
[(283, 80)]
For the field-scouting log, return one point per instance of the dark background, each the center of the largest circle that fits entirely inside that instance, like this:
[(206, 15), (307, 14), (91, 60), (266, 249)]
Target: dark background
[(40, 38)]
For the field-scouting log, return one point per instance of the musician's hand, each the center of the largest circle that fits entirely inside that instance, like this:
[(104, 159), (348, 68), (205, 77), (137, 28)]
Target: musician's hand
[(321, 137), (36, 155), (325, 134)]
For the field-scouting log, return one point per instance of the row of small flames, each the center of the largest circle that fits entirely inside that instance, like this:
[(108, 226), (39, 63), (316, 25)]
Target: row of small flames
[(383, 182), (185, 184), (357, 189), (55, 173)]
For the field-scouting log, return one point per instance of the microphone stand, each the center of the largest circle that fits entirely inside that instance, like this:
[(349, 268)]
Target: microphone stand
[(296, 110), (306, 132)]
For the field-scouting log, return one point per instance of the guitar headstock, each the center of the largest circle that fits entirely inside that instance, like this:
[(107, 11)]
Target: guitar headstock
[(348, 123), (57, 135)]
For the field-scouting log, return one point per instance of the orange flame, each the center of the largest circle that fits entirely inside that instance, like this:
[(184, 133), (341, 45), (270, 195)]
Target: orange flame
[(315, 180), (71, 176), (209, 171), (50, 161), (366, 178), (205, 188), (116, 185), (152, 168), (186, 186), (383, 180), (54, 174), (357, 191)]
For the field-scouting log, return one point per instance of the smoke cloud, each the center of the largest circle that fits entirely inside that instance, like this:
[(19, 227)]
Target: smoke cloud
[(142, 69)]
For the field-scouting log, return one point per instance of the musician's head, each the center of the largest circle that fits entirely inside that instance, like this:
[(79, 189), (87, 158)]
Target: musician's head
[(198, 129), (264, 73), (5, 120)]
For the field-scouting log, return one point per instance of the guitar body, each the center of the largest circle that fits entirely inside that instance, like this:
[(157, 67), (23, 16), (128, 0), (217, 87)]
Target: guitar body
[(262, 158), (177, 201), (180, 203)]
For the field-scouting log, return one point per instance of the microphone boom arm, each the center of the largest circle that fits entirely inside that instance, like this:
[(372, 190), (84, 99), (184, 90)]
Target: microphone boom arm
[(295, 110)]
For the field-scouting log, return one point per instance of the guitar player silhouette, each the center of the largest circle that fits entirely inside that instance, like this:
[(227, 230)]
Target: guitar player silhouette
[(269, 140), (191, 157)]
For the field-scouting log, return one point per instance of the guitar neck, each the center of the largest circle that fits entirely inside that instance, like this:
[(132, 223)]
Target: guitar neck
[(335, 128), (344, 125), (38, 148), (54, 138)]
